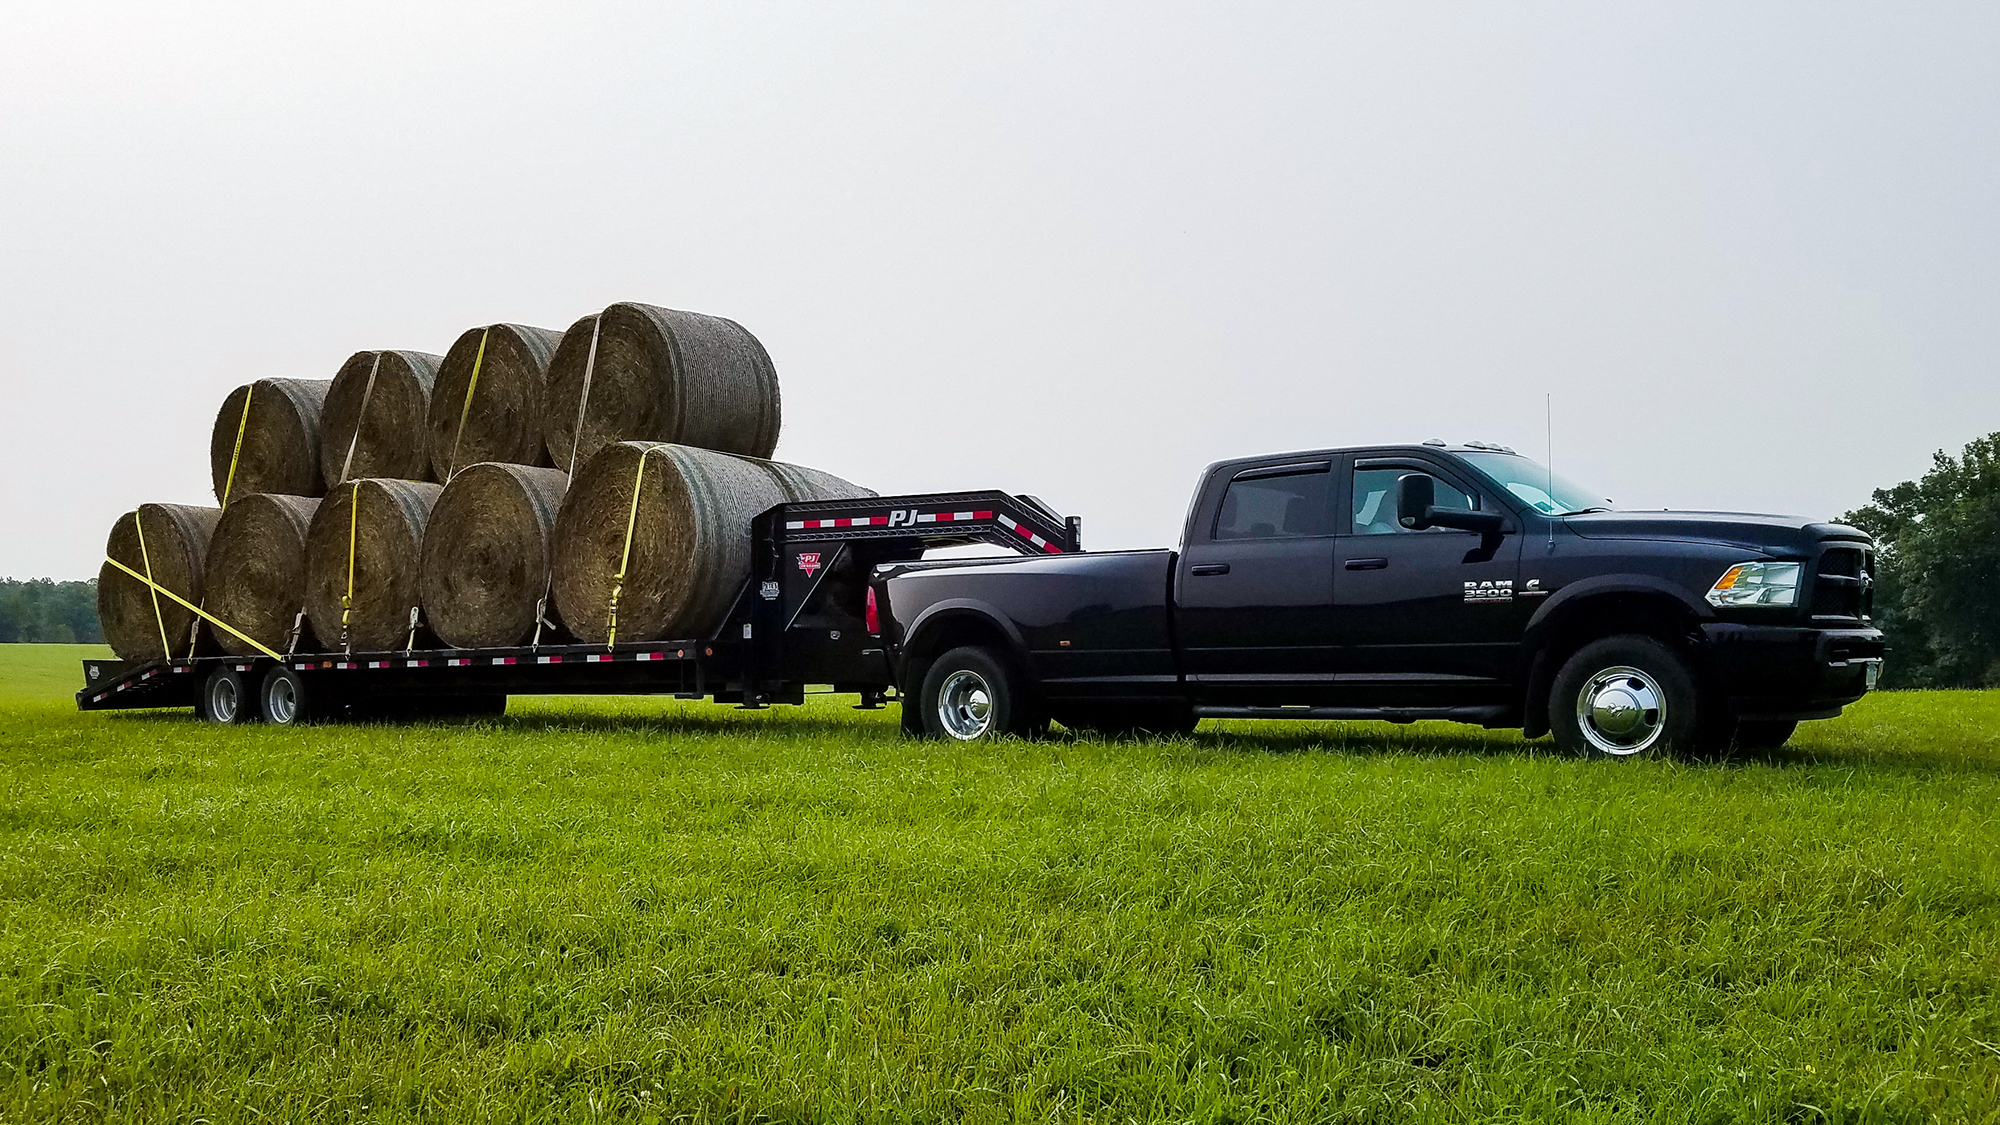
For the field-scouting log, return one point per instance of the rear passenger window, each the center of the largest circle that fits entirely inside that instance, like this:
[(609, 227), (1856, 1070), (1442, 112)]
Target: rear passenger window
[(1375, 500), (1274, 507)]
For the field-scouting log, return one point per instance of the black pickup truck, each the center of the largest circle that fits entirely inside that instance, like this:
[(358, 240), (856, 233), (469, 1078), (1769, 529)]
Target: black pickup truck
[(1428, 581)]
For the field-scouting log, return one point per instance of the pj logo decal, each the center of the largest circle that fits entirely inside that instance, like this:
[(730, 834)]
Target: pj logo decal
[(809, 562)]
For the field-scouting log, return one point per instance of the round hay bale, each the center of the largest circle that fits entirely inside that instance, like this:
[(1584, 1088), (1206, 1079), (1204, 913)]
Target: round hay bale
[(388, 540), (690, 539), (280, 439), (504, 419), (486, 553), (383, 425), (257, 571), (661, 375), (176, 543)]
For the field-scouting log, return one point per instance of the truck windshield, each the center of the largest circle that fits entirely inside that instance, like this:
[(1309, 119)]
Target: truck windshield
[(1533, 483)]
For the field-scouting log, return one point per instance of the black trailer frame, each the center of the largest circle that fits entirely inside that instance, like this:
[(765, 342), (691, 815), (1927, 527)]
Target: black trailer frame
[(799, 620)]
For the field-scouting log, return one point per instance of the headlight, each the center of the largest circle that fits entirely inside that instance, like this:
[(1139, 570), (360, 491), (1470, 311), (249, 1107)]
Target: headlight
[(1757, 583)]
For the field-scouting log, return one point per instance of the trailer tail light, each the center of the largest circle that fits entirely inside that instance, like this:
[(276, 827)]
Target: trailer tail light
[(874, 616)]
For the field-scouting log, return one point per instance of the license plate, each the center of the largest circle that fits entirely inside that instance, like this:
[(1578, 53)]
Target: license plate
[(1874, 673)]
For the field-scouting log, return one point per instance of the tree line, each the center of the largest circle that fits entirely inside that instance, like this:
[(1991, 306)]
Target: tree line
[(1937, 578), (40, 611), (1937, 571)]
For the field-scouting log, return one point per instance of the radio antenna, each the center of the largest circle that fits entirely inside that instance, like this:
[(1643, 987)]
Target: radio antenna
[(1549, 458)]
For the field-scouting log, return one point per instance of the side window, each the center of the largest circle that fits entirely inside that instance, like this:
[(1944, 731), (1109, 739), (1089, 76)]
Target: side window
[(1375, 501), (1275, 507)]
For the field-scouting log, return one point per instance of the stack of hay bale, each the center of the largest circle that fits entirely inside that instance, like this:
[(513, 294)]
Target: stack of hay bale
[(528, 485)]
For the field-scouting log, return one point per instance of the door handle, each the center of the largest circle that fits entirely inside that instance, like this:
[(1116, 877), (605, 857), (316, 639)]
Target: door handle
[(1206, 569), (1367, 564)]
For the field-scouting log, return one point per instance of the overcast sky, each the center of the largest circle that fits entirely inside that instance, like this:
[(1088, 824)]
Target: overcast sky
[(1079, 250)]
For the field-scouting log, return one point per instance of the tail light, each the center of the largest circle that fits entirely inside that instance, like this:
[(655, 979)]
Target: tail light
[(874, 616)]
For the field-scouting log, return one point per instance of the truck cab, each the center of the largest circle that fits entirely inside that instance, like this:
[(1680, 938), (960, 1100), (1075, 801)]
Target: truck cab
[(1406, 582)]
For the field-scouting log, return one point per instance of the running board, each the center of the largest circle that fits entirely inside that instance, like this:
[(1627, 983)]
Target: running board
[(1496, 715)]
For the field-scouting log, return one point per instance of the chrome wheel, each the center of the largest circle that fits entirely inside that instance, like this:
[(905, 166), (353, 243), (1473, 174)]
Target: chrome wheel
[(1621, 711), (225, 699), (281, 700), (965, 705)]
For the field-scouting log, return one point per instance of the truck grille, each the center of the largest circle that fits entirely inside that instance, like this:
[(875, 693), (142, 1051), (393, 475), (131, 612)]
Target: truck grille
[(1844, 585)]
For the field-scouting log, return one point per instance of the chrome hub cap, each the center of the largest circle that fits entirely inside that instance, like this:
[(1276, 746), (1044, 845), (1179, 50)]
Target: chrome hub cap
[(281, 703), (1622, 711), (965, 705), (225, 697)]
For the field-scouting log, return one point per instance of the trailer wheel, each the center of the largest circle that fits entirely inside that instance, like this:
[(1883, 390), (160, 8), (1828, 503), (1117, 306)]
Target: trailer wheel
[(287, 699), (1629, 696), (226, 698), (971, 694)]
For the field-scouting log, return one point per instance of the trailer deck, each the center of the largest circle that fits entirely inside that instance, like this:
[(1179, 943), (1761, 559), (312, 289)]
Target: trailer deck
[(800, 619)]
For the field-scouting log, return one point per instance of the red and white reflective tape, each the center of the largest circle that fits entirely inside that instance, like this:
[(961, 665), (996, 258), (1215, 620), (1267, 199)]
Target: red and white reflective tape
[(457, 662), (651, 656), (503, 660), (1030, 536), (883, 521), (416, 663), (344, 666), (857, 521), (596, 657), (378, 663), (548, 660)]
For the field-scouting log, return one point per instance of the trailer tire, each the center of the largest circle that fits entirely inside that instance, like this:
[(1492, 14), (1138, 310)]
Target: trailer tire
[(1630, 696), (973, 694), (226, 698), (288, 700)]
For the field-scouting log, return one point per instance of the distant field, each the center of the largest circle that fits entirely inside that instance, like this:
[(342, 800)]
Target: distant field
[(650, 910)]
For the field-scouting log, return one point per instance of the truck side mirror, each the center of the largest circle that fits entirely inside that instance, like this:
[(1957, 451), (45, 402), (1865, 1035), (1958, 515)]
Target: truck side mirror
[(1416, 495), (1416, 509)]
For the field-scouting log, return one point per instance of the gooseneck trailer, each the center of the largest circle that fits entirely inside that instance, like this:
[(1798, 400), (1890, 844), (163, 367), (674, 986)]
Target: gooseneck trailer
[(805, 616)]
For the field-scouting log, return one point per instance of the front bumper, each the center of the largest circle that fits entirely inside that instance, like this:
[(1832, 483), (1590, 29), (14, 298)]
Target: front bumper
[(1782, 672)]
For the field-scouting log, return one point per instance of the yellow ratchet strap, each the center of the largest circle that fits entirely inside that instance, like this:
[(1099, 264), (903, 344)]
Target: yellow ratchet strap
[(347, 599), (464, 412), (229, 482), (166, 650), (202, 613), (361, 415), (575, 443), (625, 559)]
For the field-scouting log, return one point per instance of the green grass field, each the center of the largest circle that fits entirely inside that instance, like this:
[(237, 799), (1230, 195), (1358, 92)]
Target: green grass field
[(646, 910)]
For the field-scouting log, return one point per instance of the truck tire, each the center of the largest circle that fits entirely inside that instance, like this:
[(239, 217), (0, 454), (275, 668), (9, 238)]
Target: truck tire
[(972, 694), (288, 700), (226, 698), (1132, 721), (1764, 734), (1629, 696), (911, 717)]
